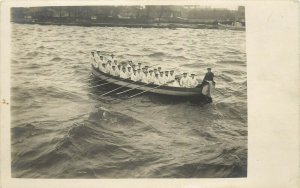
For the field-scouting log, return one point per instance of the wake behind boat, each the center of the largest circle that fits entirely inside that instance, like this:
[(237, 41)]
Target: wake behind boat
[(127, 84)]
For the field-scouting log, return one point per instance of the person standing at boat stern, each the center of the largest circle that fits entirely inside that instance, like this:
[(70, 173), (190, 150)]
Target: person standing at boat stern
[(209, 76), (208, 83)]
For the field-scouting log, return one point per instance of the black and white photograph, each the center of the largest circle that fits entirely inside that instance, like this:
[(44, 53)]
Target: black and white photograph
[(128, 91)]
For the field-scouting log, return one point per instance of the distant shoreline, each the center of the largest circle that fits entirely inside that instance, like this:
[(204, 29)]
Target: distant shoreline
[(138, 25)]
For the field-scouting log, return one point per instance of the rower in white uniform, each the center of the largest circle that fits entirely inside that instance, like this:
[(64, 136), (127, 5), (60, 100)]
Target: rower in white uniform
[(139, 75), (97, 58), (115, 62), (134, 76), (166, 77), (118, 70), (143, 72), (100, 67), (123, 73), (155, 71), (101, 60), (161, 79), (175, 83), (159, 69), (129, 72), (151, 76), (108, 66), (112, 57), (92, 60), (133, 66), (145, 78), (139, 66), (114, 71), (104, 69), (171, 75), (184, 80), (156, 80), (130, 63), (146, 68), (192, 81)]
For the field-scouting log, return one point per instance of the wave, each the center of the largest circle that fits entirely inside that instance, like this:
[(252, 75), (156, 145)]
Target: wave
[(228, 162), (41, 47), (157, 54), (180, 57), (178, 49), (56, 59), (232, 62), (32, 54), (225, 78), (233, 110)]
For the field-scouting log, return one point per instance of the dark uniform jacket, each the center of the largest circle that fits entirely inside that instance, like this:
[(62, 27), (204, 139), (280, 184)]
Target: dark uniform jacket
[(208, 76)]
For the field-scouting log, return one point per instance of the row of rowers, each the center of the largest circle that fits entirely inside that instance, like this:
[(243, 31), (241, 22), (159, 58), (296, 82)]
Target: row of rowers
[(147, 75)]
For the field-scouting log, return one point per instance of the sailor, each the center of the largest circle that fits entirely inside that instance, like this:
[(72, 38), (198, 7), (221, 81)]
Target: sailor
[(118, 70), (146, 67), (166, 76), (175, 83), (192, 81), (155, 71), (130, 63), (156, 80), (139, 65), (133, 66), (97, 58), (101, 60), (139, 75), (101, 67), (184, 80), (98, 54), (113, 71), (112, 57), (108, 66), (123, 73), (129, 72), (92, 59), (145, 78), (104, 69), (134, 76), (209, 76), (151, 76), (159, 69), (208, 83), (161, 79), (171, 75), (143, 72), (115, 62)]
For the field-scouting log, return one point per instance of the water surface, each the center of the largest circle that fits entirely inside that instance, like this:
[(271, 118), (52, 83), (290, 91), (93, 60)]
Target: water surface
[(61, 128)]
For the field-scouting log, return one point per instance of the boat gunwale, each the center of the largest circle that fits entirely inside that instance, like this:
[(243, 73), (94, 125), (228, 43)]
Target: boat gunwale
[(180, 91)]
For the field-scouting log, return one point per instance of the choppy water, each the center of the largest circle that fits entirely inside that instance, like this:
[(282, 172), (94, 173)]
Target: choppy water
[(63, 129)]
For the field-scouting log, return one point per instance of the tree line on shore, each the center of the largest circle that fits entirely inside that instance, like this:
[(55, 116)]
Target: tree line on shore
[(128, 14)]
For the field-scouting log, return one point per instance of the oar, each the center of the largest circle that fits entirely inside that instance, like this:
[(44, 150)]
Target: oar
[(147, 90), (98, 80), (133, 88), (99, 85), (115, 89)]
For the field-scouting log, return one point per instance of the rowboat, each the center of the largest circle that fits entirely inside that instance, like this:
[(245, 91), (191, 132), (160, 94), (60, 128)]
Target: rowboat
[(151, 88)]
